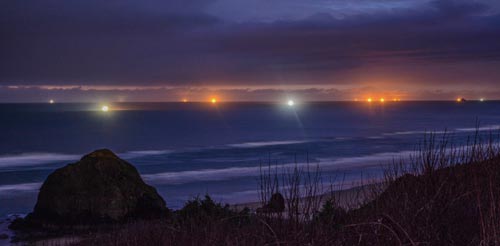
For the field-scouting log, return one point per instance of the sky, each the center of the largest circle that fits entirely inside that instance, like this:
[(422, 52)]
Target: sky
[(248, 50)]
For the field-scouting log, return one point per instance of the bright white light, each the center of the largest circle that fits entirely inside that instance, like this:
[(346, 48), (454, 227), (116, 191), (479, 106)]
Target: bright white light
[(51, 101), (291, 103), (482, 99), (105, 108)]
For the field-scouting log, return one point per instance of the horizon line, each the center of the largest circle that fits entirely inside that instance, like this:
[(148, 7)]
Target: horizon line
[(245, 101)]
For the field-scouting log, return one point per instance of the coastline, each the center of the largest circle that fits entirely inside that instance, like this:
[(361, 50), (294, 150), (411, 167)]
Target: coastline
[(347, 199)]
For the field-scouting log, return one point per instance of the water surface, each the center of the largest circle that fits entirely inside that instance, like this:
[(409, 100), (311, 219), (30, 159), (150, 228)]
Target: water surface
[(189, 149)]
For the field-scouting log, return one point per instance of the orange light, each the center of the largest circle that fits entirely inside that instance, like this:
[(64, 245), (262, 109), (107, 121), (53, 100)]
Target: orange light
[(213, 100), (184, 100), (355, 99), (459, 99), (382, 100), (369, 99)]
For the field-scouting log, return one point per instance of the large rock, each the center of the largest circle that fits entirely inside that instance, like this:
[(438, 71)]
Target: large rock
[(97, 189), (275, 205)]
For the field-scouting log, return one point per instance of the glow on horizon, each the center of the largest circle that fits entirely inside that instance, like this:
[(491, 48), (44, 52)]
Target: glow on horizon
[(51, 101), (105, 108), (83, 93), (369, 99), (184, 100), (213, 100), (290, 103), (382, 99)]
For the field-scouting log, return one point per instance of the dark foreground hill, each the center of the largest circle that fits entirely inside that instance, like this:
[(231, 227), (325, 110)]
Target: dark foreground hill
[(436, 205), (433, 201), (453, 205), (456, 205)]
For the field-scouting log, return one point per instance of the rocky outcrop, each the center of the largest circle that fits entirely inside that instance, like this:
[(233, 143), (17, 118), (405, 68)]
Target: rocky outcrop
[(275, 205), (100, 188)]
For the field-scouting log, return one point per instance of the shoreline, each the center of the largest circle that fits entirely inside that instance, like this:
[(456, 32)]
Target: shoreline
[(347, 199)]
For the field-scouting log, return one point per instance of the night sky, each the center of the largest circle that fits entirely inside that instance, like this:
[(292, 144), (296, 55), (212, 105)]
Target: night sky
[(248, 50)]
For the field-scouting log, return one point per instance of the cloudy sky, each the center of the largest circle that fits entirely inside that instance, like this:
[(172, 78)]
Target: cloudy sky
[(249, 50)]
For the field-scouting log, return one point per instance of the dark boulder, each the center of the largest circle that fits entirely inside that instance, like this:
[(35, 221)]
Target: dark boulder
[(100, 188), (275, 205)]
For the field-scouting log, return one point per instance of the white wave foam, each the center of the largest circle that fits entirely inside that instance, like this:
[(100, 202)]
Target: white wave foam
[(31, 159), (266, 143), (483, 128), (24, 187), (326, 164), (465, 129), (364, 161), (412, 133), (142, 153), (35, 159), (200, 175)]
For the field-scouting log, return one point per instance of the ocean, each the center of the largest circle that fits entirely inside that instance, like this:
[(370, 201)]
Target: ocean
[(192, 149)]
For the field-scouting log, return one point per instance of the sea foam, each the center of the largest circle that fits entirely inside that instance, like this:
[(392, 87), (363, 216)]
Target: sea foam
[(325, 164), (32, 159), (266, 143), (36, 159), (15, 188)]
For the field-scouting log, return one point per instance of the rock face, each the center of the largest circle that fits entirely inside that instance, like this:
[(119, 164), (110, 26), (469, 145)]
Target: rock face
[(99, 188)]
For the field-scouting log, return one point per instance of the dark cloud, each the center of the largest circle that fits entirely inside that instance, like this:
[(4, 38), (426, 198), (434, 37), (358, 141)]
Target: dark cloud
[(94, 18), (454, 8), (204, 43)]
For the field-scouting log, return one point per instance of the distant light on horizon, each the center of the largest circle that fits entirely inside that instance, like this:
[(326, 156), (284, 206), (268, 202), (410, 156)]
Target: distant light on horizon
[(105, 108), (184, 100), (51, 101), (290, 103), (382, 100), (481, 99), (369, 99), (213, 100)]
